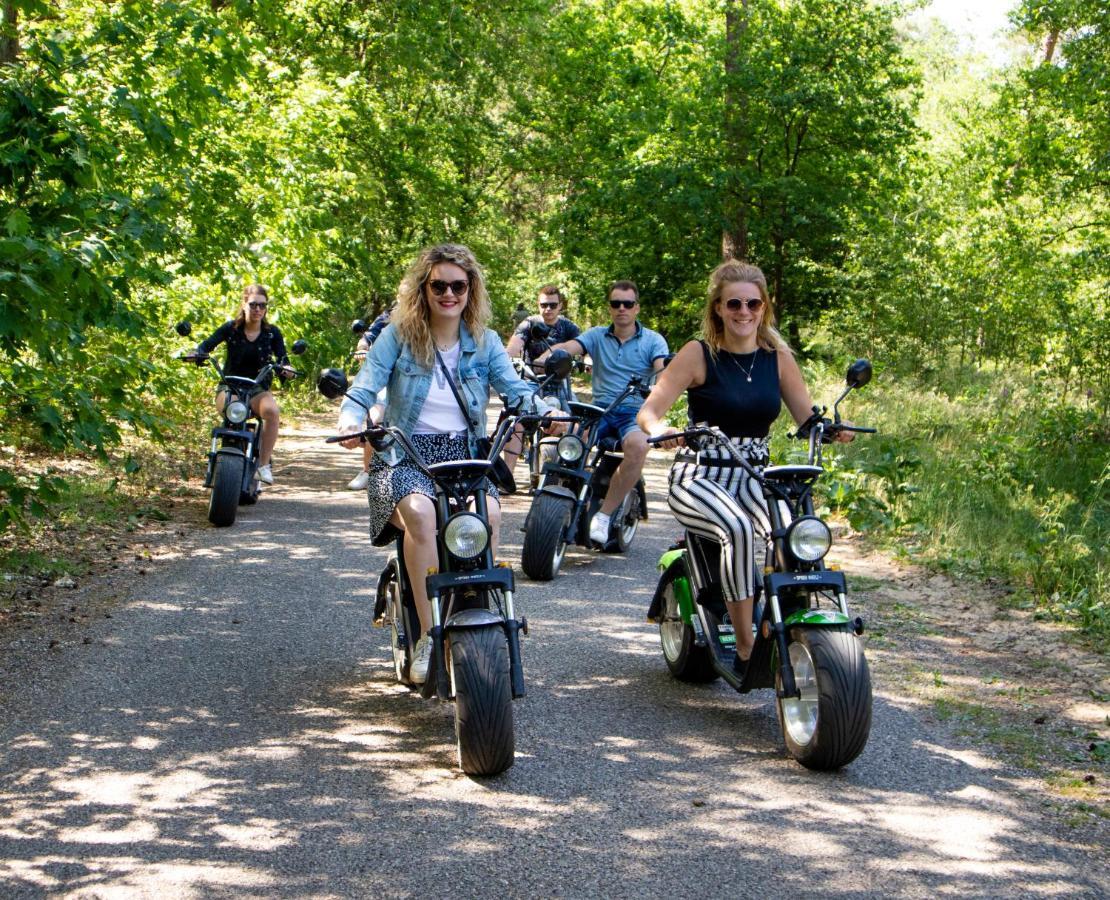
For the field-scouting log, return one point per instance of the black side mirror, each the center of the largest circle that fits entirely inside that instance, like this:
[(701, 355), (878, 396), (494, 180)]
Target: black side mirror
[(358, 326), (558, 363), (184, 328), (859, 373), (667, 359), (298, 347), (538, 332), (332, 383)]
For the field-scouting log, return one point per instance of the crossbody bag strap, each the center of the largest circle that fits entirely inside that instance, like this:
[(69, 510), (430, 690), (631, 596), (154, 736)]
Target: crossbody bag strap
[(458, 397)]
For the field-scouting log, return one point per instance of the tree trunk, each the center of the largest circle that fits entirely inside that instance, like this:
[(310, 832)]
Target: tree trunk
[(9, 34), (734, 236)]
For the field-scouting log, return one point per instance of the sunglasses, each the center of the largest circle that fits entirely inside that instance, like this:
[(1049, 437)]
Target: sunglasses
[(549, 306), (458, 288), (627, 304), (735, 303), (257, 305)]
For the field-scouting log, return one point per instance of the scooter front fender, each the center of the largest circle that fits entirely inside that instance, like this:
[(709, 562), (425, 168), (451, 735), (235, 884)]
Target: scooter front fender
[(472, 618), (673, 567)]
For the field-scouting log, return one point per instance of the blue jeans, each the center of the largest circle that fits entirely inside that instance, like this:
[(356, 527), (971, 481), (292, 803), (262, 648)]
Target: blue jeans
[(618, 423)]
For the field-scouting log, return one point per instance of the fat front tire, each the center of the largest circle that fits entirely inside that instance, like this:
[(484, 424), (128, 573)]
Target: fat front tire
[(828, 726), (479, 668), (686, 660), (227, 479), (545, 537)]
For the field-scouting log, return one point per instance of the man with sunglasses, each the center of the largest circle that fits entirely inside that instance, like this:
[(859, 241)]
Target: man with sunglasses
[(619, 351), (559, 327)]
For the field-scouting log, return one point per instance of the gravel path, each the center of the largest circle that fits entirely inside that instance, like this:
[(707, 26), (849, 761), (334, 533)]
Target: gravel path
[(233, 730)]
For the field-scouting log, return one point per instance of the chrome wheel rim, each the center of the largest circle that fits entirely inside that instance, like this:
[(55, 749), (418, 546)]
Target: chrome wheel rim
[(800, 714), (393, 611), (672, 627), (630, 517)]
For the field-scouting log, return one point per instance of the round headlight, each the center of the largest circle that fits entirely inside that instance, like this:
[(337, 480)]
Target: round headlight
[(236, 411), (570, 448), (809, 539), (466, 535)]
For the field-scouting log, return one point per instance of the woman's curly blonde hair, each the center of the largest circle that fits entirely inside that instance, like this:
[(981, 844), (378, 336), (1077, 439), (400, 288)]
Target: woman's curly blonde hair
[(713, 326), (411, 317)]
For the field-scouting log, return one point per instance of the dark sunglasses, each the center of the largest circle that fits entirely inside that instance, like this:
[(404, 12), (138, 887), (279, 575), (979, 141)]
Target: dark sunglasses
[(735, 303), (458, 288), (627, 304), (257, 305), (549, 306)]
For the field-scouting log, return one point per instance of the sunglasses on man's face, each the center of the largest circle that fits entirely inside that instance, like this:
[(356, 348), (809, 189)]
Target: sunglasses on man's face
[(458, 288), (257, 304), (753, 304), (549, 306), (617, 304)]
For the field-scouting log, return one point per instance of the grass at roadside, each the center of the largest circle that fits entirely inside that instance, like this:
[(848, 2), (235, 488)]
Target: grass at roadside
[(991, 475), (99, 503)]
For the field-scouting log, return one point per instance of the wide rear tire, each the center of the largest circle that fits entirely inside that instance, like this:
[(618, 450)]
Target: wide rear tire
[(479, 667), (828, 726), (686, 660), (545, 537), (227, 479)]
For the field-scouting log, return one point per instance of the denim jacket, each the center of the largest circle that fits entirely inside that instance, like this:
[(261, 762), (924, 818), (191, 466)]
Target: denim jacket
[(390, 365)]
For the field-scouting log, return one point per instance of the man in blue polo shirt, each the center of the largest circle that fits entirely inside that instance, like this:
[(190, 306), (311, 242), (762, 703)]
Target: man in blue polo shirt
[(620, 351)]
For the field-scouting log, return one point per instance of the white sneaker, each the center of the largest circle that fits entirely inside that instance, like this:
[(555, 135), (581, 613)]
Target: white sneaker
[(265, 475), (359, 482), (599, 528), (421, 656)]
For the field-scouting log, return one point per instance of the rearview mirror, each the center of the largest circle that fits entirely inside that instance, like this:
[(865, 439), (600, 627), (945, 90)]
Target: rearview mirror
[(332, 383), (184, 328), (859, 373), (538, 332), (558, 363), (298, 348), (358, 326)]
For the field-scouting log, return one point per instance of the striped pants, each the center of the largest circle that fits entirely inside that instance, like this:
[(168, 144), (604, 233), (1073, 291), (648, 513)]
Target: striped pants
[(725, 505)]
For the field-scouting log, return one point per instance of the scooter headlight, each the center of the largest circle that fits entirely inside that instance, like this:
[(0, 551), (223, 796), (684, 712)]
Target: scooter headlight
[(809, 539), (236, 412), (466, 535), (570, 448)]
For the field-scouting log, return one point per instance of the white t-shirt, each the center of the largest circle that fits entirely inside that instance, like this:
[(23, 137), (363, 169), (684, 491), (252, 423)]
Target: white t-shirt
[(441, 413)]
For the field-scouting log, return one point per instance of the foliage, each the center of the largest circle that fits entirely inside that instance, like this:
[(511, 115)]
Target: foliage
[(906, 203), (993, 482)]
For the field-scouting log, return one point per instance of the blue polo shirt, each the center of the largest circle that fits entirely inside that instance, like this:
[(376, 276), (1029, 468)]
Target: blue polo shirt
[(615, 363)]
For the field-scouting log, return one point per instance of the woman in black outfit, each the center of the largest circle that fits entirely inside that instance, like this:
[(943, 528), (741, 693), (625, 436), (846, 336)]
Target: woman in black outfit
[(251, 343), (736, 378)]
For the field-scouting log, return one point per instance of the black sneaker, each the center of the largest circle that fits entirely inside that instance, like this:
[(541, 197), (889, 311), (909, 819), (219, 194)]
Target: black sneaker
[(740, 666)]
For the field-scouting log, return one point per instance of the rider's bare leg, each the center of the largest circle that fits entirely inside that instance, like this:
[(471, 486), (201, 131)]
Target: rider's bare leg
[(635, 449), (416, 514), (513, 446), (267, 409), (740, 614)]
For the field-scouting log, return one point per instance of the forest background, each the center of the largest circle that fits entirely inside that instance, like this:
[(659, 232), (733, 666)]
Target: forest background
[(909, 203)]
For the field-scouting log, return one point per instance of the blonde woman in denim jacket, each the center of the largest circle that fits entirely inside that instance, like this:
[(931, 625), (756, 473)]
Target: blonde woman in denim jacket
[(442, 313)]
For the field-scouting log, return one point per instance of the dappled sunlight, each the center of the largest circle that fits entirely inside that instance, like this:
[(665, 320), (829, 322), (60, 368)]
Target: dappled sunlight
[(967, 757)]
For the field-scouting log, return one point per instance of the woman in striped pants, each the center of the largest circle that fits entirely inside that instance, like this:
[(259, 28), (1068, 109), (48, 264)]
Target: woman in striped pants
[(736, 378)]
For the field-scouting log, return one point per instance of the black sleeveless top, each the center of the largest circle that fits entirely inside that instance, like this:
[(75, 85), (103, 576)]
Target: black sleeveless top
[(739, 406)]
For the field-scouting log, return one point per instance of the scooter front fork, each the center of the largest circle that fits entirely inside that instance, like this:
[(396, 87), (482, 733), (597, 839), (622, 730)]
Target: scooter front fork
[(786, 671)]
